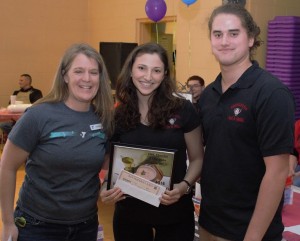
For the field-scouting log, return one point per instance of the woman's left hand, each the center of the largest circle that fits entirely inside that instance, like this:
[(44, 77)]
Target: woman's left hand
[(172, 196)]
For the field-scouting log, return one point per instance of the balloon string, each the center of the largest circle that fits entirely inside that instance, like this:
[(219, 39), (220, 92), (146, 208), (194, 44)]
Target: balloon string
[(156, 32), (189, 51), (174, 50)]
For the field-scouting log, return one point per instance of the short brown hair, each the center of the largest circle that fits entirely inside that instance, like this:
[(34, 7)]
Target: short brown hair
[(196, 77)]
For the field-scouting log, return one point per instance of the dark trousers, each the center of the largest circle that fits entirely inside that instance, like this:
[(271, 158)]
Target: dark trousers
[(135, 231), (41, 231)]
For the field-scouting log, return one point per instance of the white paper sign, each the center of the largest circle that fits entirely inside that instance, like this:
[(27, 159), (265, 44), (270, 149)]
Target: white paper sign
[(140, 188)]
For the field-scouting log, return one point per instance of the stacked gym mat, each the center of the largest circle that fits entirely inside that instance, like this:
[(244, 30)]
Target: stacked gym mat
[(283, 53)]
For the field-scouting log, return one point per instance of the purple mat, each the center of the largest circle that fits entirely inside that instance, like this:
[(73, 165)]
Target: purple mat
[(285, 49), (283, 29), (285, 77), (293, 71), (285, 44), (288, 62), (283, 64), (286, 19), (282, 56), (284, 36), (288, 27), (284, 72)]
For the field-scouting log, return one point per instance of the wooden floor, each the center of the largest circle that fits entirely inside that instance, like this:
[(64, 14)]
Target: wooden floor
[(105, 212)]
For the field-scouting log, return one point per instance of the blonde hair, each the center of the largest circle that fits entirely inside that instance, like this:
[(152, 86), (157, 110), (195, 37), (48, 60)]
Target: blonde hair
[(103, 101)]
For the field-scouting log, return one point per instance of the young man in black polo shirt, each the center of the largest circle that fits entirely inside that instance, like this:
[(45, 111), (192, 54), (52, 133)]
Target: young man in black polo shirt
[(248, 118)]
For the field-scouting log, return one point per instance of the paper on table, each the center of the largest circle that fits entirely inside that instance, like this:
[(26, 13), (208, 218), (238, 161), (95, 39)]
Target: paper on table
[(140, 188), (18, 108), (293, 229)]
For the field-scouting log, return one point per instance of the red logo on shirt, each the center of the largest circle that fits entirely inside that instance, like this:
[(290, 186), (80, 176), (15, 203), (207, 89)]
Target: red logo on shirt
[(237, 109)]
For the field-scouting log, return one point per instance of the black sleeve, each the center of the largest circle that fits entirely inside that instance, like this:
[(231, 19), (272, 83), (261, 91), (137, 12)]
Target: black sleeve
[(295, 153), (35, 95)]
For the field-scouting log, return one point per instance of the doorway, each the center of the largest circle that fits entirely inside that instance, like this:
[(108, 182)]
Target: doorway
[(163, 33)]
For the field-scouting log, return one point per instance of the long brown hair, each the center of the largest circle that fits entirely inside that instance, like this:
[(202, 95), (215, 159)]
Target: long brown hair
[(163, 102)]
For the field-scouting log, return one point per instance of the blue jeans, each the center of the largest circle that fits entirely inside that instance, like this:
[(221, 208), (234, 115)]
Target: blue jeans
[(41, 231)]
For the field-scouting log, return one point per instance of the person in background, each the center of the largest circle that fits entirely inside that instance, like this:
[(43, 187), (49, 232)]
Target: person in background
[(248, 121), (294, 171), (61, 140), (294, 157), (195, 85), (27, 94), (150, 115)]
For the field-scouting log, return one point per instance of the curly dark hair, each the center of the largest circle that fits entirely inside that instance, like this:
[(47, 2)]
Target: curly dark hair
[(247, 21), (163, 102)]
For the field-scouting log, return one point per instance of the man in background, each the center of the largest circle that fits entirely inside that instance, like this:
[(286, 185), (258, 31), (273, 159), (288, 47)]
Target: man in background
[(195, 85), (27, 94)]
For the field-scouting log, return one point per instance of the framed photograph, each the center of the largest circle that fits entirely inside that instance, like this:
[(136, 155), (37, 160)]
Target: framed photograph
[(153, 164)]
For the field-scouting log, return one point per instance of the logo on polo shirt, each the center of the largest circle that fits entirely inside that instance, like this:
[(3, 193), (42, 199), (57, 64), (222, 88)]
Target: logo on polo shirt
[(173, 122), (237, 110)]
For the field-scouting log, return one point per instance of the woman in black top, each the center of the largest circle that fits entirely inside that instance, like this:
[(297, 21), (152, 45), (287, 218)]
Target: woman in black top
[(150, 113)]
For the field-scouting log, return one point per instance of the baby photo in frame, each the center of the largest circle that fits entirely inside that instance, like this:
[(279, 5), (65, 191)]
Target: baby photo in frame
[(153, 164)]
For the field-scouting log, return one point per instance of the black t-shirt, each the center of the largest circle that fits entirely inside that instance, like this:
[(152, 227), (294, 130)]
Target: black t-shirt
[(171, 137)]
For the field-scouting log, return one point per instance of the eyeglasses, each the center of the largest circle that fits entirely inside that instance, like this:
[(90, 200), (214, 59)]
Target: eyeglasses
[(194, 86)]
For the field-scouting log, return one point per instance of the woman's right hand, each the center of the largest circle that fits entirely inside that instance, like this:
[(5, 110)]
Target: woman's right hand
[(9, 233), (112, 195)]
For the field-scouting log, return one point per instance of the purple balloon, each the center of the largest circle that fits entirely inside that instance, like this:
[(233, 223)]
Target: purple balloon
[(155, 9)]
